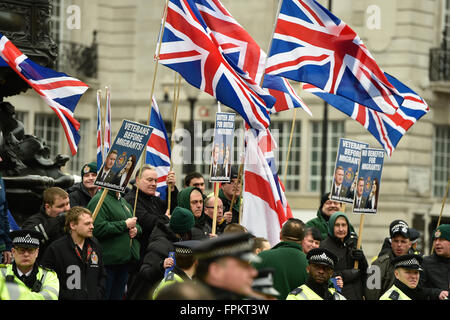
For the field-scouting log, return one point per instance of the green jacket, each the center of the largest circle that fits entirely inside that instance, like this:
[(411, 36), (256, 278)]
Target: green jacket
[(320, 223), (111, 230), (289, 262), (305, 293)]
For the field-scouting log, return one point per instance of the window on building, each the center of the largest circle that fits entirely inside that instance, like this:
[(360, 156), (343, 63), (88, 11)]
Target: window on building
[(282, 132), (335, 131), (441, 162), (48, 128), (57, 25)]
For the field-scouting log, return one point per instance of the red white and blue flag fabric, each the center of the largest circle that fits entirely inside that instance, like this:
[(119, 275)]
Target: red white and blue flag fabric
[(99, 133), (387, 129), (158, 150), (60, 91), (191, 49), (313, 46), (239, 47), (265, 207)]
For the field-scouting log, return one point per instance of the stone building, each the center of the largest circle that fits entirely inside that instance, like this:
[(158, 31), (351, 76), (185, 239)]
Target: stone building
[(407, 37)]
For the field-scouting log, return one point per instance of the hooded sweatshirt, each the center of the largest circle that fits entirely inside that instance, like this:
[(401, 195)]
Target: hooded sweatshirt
[(353, 279), (184, 201)]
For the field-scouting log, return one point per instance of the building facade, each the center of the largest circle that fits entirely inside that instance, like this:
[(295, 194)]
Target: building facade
[(408, 38)]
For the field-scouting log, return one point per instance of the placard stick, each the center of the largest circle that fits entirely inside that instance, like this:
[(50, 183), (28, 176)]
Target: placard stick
[(358, 245), (442, 209), (216, 200), (99, 204)]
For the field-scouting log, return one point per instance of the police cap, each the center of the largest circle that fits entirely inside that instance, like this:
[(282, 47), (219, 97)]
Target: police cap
[(238, 245), (185, 247), (26, 238), (408, 261), (322, 256)]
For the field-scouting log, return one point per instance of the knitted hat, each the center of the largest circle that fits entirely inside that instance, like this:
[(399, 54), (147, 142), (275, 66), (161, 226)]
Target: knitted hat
[(443, 232), (182, 220), (325, 198), (90, 167)]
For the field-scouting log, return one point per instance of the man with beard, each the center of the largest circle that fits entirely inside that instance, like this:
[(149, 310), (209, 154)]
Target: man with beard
[(320, 267)]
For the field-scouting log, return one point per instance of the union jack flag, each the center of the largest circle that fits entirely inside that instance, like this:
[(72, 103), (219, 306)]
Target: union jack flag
[(190, 48), (103, 134), (312, 45), (107, 139), (242, 49), (158, 150), (99, 132), (58, 90), (387, 129)]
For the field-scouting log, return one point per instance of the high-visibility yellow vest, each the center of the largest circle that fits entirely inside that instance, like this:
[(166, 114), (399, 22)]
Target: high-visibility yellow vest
[(394, 293), (305, 293), (168, 280), (12, 288)]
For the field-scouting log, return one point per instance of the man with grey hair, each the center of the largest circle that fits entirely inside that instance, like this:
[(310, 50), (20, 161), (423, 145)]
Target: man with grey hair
[(149, 207)]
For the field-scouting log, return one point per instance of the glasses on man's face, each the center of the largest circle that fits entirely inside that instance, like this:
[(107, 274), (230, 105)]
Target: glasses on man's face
[(21, 250), (212, 207)]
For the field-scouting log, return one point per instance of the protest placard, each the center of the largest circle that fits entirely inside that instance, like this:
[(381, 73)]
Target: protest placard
[(368, 181), (222, 149), (123, 156), (346, 170)]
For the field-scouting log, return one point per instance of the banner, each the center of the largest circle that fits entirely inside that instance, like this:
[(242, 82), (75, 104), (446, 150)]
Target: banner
[(123, 156), (346, 170), (222, 150), (368, 181)]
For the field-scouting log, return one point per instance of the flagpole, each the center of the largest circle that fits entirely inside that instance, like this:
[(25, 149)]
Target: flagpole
[(158, 50), (442, 209), (358, 245), (176, 99), (216, 200), (289, 146), (99, 106)]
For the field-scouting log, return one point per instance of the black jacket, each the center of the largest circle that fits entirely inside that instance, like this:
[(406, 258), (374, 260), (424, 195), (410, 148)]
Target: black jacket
[(435, 276), (152, 270), (81, 277), (51, 228), (78, 195)]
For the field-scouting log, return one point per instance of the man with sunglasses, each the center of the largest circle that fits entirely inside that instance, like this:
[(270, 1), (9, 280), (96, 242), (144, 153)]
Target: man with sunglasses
[(24, 279)]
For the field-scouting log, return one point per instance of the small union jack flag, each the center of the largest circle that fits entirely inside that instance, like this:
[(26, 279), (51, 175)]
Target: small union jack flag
[(60, 91), (158, 150), (313, 46)]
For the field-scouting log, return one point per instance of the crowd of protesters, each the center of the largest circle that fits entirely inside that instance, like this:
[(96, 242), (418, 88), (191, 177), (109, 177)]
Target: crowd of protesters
[(146, 248)]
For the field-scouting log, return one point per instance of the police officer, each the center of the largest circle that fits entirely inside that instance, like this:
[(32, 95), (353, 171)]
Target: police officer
[(184, 265), (317, 287), (406, 282), (224, 265), (24, 279)]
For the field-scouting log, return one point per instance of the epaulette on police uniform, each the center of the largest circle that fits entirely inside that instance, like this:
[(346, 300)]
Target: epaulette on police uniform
[(296, 291), (170, 276), (394, 295)]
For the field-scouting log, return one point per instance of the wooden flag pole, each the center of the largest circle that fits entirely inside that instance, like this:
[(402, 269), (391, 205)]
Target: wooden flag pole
[(176, 99), (358, 245), (442, 210), (216, 200), (289, 146), (152, 91), (99, 204)]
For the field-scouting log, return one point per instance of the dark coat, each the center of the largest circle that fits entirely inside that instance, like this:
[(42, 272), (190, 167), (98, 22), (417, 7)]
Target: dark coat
[(78, 279), (78, 195), (436, 275), (354, 279), (5, 242), (152, 271), (50, 227)]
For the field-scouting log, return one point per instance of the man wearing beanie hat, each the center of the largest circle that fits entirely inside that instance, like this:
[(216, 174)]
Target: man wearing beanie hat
[(161, 243), (81, 193), (326, 209), (436, 267)]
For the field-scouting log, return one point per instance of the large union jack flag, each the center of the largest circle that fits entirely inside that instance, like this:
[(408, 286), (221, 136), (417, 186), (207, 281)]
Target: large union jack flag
[(190, 48), (60, 91), (158, 150), (312, 45), (242, 49), (387, 129)]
